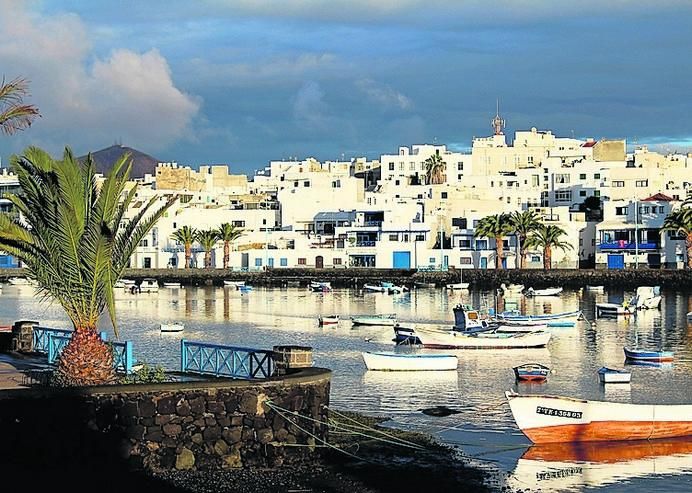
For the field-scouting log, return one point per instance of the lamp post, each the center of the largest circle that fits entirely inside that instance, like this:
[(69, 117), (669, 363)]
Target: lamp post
[(636, 234)]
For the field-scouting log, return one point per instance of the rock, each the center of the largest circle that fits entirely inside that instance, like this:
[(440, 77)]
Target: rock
[(439, 411), (197, 439), (166, 405), (183, 408), (221, 447), (171, 429), (265, 435), (232, 460), (185, 460)]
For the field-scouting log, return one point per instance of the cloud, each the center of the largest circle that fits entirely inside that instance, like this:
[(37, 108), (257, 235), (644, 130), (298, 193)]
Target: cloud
[(85, 101), (309, 107), (383, 94)]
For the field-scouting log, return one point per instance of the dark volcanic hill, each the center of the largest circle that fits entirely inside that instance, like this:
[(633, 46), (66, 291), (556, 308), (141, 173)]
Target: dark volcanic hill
[(141, 163)]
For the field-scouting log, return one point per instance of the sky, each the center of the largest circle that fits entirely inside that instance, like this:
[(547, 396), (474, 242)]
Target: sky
[(243, 82)]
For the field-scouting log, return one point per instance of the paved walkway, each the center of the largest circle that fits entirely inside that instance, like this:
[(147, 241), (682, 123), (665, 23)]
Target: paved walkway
[(12, 366)]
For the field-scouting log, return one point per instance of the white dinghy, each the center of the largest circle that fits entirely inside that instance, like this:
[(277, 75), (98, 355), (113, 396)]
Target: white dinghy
[(389, 361)]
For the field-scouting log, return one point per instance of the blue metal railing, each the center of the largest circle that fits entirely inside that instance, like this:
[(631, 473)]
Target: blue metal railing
[(42, 337), (225, 361)]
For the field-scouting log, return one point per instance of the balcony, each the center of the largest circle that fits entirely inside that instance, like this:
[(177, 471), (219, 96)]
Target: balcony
[(625, 245), (365, 243)]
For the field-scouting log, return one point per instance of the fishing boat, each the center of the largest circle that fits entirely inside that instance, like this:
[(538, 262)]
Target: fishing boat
[(613, 309), (172, 327), (128, 282), (389, 361), (234, 284), (419, 284), (149, 285), (320, 286), (531, 372), (451, 339), (405, 336), (543, 292), (382, 287), (385, 320), (610, 375), (653, 356), (328, 319), (171, 285), (549, 418), (516, 318)]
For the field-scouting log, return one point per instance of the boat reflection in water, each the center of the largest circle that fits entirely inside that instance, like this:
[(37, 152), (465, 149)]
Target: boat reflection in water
[(574, 466)]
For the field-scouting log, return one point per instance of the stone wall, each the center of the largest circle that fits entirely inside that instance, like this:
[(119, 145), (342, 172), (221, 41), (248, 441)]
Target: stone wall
[(204, 425)]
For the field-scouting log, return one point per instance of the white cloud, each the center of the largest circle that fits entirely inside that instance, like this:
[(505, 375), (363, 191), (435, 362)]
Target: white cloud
[(87, 102), (383, 94), (309, 107)]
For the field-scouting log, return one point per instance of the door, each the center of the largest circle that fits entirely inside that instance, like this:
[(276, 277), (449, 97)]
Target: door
[(445, 261), (484, 262), (270, 262), (616, 261), (654, 260), (401, 260), (245, 261), (504, 263), (147, 262), (319, 262)]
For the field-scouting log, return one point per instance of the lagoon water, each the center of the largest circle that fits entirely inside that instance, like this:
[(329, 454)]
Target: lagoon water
[(484, 429)]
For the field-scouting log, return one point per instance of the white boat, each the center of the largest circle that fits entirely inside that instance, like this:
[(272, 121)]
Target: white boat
[(451, 339), (595, 289), (320, 286), (548, 418), (19, 281), (512, 288), (689, 316), (171, 285), (543, 292), (235, 284), (613, 309), (149, 285), (397, 289), (457, 285), (119, 284), (173, 327), (382, 287), (610, 375), (386, 320), (388, 361), (551, 319), (128, 282), (647, 297), (328, 319)]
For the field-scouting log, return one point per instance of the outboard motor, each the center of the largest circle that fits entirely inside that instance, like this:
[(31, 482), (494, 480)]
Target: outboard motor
[(459, 318)]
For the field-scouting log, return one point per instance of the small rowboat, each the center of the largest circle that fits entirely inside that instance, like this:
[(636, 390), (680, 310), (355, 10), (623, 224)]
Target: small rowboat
[(235, 284), (452, 339), (595, 289), (328, 319), (513, 318), (320, 286), (613, 309), (171, 327), (610, 375), (543, 292), (409, 362), (171, 285), (642, 355), (458, 285), (531, 372), (386, 320), (549, 419)]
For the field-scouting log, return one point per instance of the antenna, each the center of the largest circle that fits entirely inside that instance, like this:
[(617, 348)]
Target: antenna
[(497, 123)]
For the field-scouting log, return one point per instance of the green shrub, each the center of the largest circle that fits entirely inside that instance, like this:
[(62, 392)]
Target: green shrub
[(146, 374)]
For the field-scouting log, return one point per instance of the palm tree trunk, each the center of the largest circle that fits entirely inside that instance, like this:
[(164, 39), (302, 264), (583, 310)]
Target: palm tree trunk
[(188, 255), (226, 253), (547, 257), (522, 255), (498, 253), (86, 360), (207, 259), (688, 245)]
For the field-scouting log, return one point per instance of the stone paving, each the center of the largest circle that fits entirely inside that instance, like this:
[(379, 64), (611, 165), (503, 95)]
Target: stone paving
[(12, 367)]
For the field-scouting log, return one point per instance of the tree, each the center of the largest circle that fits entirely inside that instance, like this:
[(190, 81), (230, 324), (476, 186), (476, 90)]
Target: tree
[(434, 169), (523, 224), (547, 237), (208, 239), (75, 243), (496, 226), (14, 114), (187, 236), (680, 222), (228, 234)]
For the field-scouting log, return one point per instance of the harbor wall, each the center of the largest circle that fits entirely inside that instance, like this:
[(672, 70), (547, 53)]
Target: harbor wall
[(356, 277), (201, 425)]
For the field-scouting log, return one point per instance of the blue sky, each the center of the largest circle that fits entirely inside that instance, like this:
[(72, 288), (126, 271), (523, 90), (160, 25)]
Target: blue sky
[(244, 82)]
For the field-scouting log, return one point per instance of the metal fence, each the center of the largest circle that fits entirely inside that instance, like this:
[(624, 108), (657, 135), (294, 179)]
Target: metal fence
[(225, 361)]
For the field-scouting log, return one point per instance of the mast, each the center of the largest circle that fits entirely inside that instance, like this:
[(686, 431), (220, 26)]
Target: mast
[(636, 234)]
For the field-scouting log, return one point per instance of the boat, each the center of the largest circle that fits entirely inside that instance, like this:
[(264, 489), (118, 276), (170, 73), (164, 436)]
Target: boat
[(610, 375), (328, 319), (531, 372), (386, 320), (419, 284), (647, 297), (172, 327), (652, 356), (397, 289), (389, 361), (405, 336), (382, 287), (613, 309), (320, 286), (19, 281), (235, 284), (119, 284), (245, 288), (149, 285), (128, 282), (550, 418), (516, 318), (511, 289), (457, 285), (595, 289), (171, 285), (689, 316), (543, 292), (451, 339)]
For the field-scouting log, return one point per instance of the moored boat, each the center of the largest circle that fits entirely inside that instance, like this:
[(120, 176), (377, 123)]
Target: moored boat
[(548, 418), (543, 292), (647, 297), (451, 339), (645, 355), (595, 289), (328, 319), (389, 361), (613, 309), (320, 286), (611, 375), (689, 316), (245, 288), (457, 285), (235, 284), (172, 327), (171, 285), (386, 320), (19, 281), (531, 372), (511, 288), (381, 287), (149, 285), (515, 318)]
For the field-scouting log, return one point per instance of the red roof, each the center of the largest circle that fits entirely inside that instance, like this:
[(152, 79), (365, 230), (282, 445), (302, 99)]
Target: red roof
[(589, 144), (659, 197)]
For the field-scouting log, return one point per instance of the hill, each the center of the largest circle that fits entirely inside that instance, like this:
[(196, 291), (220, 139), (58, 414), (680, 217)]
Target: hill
[(141, 163)]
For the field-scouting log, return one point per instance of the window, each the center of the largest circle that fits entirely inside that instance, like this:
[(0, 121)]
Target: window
[(535, 258), (481, 244), (562, 178), (258, 262), (401, 166), (147, 262), (563, 195), (460, 166), (458, 177), (618, 184), (391, 166), (641, 183), (643, 209), (174, 226), (596, 193), (412, 166), (582, 193), (306, 184), (582, 176), (432, 260), (596, 176), (465, 260), (240, 224), (530, 159), (459, 222), (283, 262), (661, 209), (394, 237), (302, 261), (144, 243), (337, 261), (464, 243), (420, 237), (535, 180), (443, 195), (336, 184), (581, 241), (621, 211)]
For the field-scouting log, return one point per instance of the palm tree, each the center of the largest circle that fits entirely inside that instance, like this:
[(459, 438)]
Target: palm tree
[(228, 234), (75, 243), (548, 237), (523, 224), (14, 114), (187, 236), (495, 226), (680, 222), (208, 239), (434, 169)]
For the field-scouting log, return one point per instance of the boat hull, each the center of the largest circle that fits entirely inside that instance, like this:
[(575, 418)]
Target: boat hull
[(549, 419), (653, 356), (410, 362), (388, 322), (531, 373), (171, 327), (482, 340), (539, 319), (606, 375), (328, 320), (458, 285), (544, 292)]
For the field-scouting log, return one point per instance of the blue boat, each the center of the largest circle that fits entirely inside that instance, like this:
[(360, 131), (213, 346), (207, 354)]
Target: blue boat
[(514, 317), (643, 355), (245, 289), (531, 372)]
